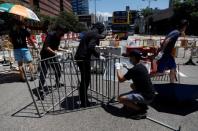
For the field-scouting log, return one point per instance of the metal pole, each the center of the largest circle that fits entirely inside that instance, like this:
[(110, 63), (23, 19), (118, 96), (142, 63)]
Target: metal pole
[(163, 124), (95, 10), (149, 5)]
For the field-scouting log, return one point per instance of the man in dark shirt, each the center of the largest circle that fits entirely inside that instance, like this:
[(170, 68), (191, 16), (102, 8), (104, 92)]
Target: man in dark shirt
[(83, 55), (18, 36), (143, 91), (165, 57), (48, 59)]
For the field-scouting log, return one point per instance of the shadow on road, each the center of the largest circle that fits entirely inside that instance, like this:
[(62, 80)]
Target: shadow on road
[(181, 108), (28, 111), (72, 103), (175, 98), (9, 77)]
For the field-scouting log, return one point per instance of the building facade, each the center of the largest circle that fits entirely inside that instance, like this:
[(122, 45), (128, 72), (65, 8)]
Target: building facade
[(46, 7), (53, 7), (80, 7)]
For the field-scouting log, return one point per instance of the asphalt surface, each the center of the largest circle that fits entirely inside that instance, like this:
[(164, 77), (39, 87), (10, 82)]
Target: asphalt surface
[(14, 96)]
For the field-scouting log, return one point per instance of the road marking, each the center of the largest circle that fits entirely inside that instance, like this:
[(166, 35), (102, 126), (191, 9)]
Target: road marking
[(178, 72), (182, 74)]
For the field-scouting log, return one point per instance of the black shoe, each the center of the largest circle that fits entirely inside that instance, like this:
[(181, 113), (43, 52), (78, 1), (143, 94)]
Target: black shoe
[(59, 85), (32, 78), (86, 104), (131, 113), (143, 106), (22, 80), (125, 109), (39, 94), (139, 116)]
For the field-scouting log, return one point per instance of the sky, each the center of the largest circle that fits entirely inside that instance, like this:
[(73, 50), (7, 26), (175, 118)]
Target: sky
[(106, 7)]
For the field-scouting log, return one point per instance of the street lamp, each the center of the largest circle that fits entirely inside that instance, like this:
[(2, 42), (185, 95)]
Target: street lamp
[(149, 2), (149, 6), (95, 8)]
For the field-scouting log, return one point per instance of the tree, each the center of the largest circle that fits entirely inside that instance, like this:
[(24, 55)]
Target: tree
[(147, 11), (186, 10), (70, 21)]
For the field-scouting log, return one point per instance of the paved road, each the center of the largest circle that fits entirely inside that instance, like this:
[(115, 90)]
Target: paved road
[(14, 96)]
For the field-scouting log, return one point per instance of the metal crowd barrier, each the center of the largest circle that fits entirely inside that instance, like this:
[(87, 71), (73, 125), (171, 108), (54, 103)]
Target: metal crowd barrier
[(60, 93)]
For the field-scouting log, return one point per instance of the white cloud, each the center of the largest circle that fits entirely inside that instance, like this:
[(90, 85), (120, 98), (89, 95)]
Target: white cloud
[(105, 14)]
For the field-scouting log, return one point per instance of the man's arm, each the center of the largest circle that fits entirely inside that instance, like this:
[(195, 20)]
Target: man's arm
[(93, 49), (165, 43), (121, 78)]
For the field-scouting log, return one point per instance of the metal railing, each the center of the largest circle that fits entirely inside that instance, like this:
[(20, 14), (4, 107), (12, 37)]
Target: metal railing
[(58, 84)]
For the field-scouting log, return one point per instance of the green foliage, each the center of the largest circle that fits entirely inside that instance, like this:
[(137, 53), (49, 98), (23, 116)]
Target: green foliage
[(70, 21), (187, 10), (147, 11), (67, 19)]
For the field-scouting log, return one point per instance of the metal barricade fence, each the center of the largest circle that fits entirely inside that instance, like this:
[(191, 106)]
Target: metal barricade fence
[(57, 84)]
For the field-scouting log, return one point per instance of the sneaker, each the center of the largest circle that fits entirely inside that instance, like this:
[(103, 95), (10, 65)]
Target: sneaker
[(22, 80), (139, 116), (39, 94), (32, 78), (59, 85), (143, 106), (87, 104), (131, 113)]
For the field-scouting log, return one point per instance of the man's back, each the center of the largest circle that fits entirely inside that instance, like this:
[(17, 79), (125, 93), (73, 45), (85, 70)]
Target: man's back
[(87, 45), (18, 38), (173, 36), (141, 80), (51, 41)]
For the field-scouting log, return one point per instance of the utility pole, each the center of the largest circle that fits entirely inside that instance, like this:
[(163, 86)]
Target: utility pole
[(149, 6), (95, 10), (149, 2)]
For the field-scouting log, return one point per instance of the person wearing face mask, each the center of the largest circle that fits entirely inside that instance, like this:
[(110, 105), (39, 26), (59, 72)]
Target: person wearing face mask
[(50, 50), (142, 93), (83, 55)]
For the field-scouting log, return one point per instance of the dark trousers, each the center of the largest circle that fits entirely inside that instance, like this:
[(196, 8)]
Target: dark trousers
[(45, 65), (85, 70)]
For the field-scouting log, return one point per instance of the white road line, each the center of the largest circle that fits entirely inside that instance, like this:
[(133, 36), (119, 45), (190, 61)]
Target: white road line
[(180, 73)]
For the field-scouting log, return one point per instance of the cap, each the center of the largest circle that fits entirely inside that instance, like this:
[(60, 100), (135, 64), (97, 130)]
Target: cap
[(183, 23), (135, 53)]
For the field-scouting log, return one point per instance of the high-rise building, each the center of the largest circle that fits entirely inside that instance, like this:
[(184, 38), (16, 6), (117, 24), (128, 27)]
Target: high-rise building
[(80, 7)]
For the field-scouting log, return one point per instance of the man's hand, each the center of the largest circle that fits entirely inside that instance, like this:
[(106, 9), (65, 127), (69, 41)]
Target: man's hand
[(159, 56), (118, 66), (58, 54), (125, 65), (102, 58)]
